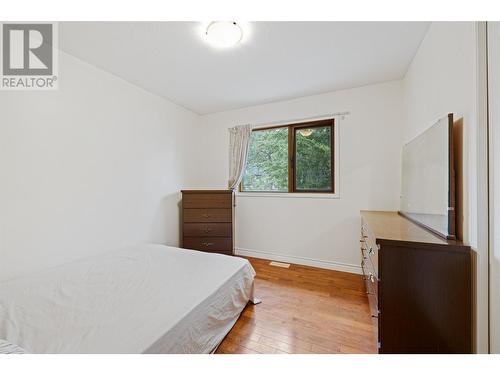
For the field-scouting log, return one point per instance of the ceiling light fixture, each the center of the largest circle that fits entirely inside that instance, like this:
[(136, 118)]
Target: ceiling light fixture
[(224, 34), (306, 132)]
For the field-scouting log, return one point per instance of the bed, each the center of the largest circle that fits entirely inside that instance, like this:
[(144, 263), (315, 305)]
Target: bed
[(147, 299)]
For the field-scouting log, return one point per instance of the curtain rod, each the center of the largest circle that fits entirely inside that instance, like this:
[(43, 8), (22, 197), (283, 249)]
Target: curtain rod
[(291, 121)]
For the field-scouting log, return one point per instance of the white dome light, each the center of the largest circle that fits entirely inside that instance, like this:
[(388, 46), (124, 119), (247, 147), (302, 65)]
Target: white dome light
[(224, 34)]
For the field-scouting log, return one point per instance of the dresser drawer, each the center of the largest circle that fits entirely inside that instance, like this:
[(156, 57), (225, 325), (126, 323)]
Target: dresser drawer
[(367, 264), (210, 244), (373, 304), (208, 229), (368, 236), (207, 215), (370, 243), (371, 261), (207, 200), (371, 285), (369, 250)]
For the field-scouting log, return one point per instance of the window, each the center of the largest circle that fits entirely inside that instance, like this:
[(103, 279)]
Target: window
[(292, 158)]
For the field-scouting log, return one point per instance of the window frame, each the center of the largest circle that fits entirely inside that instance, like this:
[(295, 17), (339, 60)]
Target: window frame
[(292, 129)]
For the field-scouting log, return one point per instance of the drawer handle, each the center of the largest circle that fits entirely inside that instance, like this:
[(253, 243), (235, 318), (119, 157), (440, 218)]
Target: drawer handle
[(369, 277), (206, 216), (207, 244), (208, 230)]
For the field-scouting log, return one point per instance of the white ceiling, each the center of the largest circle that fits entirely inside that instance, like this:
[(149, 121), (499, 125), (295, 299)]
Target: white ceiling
[(275, 61)]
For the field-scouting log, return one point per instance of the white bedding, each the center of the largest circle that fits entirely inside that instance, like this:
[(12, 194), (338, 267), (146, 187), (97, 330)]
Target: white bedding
[(150, 299)]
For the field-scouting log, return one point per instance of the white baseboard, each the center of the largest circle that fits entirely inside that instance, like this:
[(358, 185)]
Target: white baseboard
[(327, 264)]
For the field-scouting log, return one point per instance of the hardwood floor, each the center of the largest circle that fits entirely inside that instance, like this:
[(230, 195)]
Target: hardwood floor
[(304, 310)]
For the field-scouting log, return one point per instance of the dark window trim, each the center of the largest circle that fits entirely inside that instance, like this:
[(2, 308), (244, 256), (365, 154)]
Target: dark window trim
[(292, 128)]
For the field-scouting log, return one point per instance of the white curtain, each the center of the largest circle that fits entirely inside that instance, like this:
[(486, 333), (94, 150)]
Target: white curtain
[(239, 142)]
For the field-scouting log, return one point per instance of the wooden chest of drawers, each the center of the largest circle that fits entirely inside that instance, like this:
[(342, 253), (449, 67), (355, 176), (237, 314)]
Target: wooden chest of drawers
[(207, 220), (419, 286)]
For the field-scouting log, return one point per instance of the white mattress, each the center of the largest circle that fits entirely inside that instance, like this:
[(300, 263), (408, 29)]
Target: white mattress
[(150, 299)]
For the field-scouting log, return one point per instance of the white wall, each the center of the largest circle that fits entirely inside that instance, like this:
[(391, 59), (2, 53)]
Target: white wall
[(91, 167), (317, 231), (494, 102), (442, 79)]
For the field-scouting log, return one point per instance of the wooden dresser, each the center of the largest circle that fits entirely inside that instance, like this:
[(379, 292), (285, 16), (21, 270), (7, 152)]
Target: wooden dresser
[(419, 286), (207, 220)]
